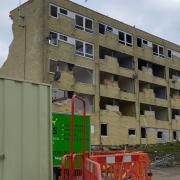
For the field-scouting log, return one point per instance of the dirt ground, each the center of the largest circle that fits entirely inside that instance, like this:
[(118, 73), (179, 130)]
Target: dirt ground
[(166, 173)]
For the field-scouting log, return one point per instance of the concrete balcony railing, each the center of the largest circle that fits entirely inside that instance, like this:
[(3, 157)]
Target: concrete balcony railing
[(174, 84), (149, 77), (176, 122), (149, 120), (84, 88), (115, 92), (109, 91), (111, 65), (67, 82), (175, 102), (127, 96), (148, 97)]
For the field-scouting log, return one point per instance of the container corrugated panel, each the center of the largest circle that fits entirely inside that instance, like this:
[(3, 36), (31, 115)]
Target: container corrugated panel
[(25, 131)]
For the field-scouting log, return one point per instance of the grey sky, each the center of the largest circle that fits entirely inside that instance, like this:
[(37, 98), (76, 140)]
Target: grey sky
[(159, 17)]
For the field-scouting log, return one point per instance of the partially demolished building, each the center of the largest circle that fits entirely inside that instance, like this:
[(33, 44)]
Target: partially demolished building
[(130, 79)]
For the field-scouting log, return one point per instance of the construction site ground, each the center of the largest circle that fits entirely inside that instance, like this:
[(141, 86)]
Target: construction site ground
[(170, 173)]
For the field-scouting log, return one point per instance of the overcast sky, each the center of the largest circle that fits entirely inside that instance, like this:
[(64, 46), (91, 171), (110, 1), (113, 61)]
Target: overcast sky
[(159, 17)]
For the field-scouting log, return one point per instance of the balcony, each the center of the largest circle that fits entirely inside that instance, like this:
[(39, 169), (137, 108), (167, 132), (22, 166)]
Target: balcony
[(149, 120), (175, 82), (175, 102), (66, 81), (146, 75), (110, 91), (111, 65), (73, 78), (176, 122), (148, 97), (84, 88)]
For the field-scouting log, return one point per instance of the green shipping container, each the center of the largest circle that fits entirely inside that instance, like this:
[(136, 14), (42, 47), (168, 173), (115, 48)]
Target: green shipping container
[(61, 135)]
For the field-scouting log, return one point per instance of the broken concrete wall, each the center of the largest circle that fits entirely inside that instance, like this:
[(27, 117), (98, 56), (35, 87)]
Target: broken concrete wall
[(25, 59)]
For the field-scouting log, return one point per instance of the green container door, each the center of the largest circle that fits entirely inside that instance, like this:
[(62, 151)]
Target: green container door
[(61, 135)]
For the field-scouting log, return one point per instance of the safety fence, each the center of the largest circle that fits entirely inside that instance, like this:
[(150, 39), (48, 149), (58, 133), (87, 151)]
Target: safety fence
[(122, 166)]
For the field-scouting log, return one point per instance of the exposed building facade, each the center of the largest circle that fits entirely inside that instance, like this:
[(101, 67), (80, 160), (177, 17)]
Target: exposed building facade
[(129, 78)]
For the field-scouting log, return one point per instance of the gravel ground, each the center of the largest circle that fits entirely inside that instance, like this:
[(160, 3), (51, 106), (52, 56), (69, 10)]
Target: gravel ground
[(172, 173)]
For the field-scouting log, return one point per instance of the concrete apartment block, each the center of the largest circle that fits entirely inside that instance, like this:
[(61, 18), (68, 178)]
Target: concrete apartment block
[(130, 79)]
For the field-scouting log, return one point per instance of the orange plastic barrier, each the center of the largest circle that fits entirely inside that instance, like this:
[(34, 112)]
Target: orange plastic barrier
[(122, 166), (134, 165)]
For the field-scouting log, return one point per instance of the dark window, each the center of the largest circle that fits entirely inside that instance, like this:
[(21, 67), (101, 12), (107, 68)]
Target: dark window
[(145, 42), (62, 37), (139, 42), (161, 51), (70, 66), (115, 78), (63, 11), (53, 39), (88, 50), (121, 37), (155, 49), (79, 22), (174, 135), (103, 129), (53, 11), (101, 28), (159, 134), (169, 53), (129, 40), (143, 132), (88, 25), (131, 131), (108, 28), (79, 48), (53, 66)]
